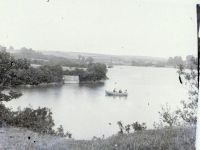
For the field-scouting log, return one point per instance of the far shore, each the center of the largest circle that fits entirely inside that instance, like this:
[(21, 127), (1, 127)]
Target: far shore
[(61, 83)]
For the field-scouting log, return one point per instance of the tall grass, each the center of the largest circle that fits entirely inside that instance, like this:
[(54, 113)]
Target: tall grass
[(160, 139)]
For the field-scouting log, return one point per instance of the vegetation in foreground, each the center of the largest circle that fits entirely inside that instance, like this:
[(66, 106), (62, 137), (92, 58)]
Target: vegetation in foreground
[(160, 139)]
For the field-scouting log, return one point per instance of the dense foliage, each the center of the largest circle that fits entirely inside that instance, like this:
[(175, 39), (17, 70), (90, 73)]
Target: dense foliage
[(7, 63), (94, 72), (39, 120), (19, 72)]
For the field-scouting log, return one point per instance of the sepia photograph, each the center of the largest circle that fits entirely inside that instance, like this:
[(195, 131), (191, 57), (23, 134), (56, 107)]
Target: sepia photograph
[(99, 75)]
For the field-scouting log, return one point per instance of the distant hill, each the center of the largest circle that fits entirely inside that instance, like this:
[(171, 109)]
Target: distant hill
[(72, 58), (115, 59)]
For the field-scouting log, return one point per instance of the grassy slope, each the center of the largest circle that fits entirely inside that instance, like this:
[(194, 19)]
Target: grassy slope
[(165, 139)]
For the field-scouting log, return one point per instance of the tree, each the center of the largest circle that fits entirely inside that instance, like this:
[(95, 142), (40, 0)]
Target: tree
[(7, 63), (60, 131), (98, 69), (175, 62), (178, 61), (188, 111), (170, 61), (81, 59), (89, 60), (68, 134), (168, 117), (190, 59)]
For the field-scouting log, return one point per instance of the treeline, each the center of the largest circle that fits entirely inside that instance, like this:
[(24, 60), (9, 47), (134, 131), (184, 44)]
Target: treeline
[(175, 62), (20, 72), (148, 63), (36, 57), (95, 72)]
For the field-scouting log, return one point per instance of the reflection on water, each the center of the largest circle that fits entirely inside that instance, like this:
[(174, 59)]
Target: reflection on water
[(86, 111), (93, 86)]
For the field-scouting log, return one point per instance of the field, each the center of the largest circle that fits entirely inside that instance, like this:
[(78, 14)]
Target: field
[(162, 139)]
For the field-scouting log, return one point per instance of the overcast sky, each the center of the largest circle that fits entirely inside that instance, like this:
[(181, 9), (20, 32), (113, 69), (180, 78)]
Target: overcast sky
[(124, 27)]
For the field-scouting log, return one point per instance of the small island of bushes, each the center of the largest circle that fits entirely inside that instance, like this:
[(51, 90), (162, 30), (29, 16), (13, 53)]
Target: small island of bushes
[(95, 72)]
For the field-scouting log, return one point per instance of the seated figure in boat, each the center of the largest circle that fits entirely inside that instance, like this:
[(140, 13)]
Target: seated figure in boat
[(120, 91), (114, 90)]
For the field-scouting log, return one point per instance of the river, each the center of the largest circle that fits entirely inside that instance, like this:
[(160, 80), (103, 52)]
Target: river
[(85, 111)]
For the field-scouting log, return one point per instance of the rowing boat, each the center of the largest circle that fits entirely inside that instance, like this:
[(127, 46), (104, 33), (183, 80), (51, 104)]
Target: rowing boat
[(111, 93)]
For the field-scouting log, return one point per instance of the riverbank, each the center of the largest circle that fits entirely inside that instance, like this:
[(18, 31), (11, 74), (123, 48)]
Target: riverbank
[(62, 83), (162, 139), (41, 85)]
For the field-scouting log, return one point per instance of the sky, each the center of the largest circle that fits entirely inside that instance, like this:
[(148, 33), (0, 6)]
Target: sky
[(159, 28)]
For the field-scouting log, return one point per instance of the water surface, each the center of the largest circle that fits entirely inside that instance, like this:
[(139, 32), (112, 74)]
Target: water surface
[(85, 111)]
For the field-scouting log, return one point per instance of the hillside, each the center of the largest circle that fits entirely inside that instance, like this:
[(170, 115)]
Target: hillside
[(165, 139), (105, 58), (71, 58)]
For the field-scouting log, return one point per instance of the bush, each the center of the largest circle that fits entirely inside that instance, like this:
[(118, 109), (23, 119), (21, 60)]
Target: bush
[(39, 120), (136, 126), (139, 127), (6, 115)]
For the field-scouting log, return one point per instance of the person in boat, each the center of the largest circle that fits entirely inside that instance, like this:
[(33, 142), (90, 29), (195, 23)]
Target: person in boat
[(120, 91), (114, 90)]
